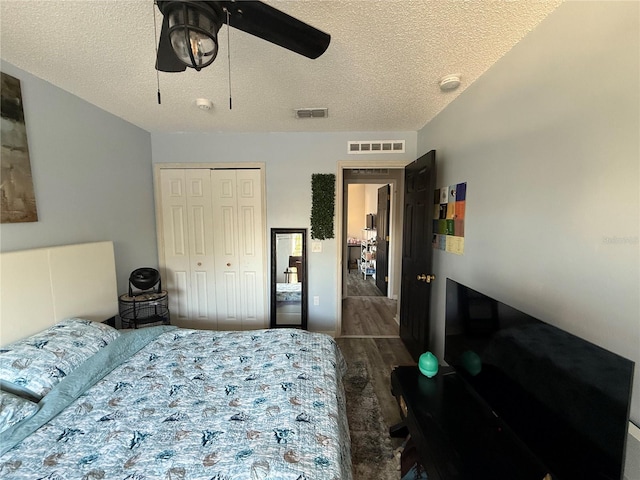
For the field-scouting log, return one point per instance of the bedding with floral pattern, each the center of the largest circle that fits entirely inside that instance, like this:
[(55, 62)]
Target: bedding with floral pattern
[(193, 404), (14, 409), (32, 366)]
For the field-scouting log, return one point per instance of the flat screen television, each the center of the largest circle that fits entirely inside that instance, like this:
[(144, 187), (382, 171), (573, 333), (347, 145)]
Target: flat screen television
[(567, 399)]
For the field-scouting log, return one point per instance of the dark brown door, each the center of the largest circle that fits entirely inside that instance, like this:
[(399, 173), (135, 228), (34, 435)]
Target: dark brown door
[(382, 240), (415, 293)]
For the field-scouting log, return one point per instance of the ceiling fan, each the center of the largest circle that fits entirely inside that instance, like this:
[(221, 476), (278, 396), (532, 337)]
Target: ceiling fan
[(189, 35)]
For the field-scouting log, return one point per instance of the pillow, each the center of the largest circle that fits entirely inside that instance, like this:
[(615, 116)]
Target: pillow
[(32, 366), (14, 409)]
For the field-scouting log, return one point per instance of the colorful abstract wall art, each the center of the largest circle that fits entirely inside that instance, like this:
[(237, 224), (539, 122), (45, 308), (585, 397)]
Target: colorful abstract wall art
[(448, 218), (17, 199)]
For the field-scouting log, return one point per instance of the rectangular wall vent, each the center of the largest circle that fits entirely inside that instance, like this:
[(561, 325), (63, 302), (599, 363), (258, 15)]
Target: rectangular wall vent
[(375, 146), (312, 112), (370, 171)]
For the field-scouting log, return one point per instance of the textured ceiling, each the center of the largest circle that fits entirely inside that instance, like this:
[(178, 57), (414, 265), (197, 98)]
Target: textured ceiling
[(380, 72)]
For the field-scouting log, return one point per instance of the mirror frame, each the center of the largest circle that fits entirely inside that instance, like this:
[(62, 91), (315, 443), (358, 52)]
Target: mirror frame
[(303, 280)]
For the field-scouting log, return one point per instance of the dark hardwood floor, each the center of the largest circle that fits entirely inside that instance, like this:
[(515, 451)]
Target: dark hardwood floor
[(357, 285), (365, 311), (369, 316), (370, 335)]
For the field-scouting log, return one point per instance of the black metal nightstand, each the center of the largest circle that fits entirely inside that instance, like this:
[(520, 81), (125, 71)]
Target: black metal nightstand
[(144, 309)]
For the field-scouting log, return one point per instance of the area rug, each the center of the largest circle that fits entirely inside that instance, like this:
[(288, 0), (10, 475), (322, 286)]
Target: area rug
[(372, 452)]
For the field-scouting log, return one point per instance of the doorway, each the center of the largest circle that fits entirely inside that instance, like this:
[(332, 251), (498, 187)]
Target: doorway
[(370, 234), (363, 264)]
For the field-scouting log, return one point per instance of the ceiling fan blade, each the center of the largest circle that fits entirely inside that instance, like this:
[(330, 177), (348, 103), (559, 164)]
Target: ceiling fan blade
[(167, 61), (270, 24)]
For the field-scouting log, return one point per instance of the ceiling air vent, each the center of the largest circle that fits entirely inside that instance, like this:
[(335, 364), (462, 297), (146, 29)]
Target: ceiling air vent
[(312, 112), (376, 146), (370, 171)]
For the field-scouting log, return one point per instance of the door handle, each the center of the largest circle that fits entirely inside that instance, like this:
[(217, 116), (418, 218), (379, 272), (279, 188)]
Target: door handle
[(426, 278)]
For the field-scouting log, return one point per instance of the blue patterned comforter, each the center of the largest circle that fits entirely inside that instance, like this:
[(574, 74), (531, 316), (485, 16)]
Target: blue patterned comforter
[(194, 404)]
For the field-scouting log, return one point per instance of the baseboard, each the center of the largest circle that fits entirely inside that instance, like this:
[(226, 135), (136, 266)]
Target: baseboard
[(632, 462)]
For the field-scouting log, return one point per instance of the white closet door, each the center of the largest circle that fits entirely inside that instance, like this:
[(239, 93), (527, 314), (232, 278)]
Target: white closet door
[(250, 228), (188, 246), (213, 234), (201, 250), (238, 239), (175, 232)]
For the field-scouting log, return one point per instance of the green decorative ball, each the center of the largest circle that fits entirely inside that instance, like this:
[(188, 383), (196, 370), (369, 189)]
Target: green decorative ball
[(428, 364), (471, 362)]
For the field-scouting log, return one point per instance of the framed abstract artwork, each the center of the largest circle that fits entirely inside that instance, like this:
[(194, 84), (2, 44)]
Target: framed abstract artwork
[(17, 198)]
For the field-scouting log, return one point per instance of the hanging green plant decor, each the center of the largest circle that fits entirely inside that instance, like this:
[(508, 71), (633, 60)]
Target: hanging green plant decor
[(323, 194)]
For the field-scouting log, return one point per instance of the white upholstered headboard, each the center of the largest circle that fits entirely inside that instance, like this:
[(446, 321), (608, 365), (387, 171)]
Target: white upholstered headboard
[(43, 286)]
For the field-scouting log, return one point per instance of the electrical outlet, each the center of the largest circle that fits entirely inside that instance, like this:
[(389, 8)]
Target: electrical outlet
[(316, 300)]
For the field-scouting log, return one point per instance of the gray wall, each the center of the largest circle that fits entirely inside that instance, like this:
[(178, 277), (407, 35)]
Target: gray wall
[(92, 177), (291, 159), (548, 141)]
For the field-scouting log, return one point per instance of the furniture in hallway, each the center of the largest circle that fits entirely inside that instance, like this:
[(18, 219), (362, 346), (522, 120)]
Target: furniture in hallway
[(368, 258), (352, 259)]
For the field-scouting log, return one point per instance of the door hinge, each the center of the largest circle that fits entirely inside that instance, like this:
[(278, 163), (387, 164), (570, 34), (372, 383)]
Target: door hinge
[(387, 238), (386, 279)]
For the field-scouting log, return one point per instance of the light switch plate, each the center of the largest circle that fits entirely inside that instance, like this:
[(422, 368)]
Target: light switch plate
[(316, 247)]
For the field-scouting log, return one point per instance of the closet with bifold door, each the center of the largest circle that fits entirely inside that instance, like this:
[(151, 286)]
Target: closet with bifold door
[(211, 246)]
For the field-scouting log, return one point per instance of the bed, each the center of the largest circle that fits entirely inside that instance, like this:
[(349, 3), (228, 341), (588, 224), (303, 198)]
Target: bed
[(83, 400), (289, 292)]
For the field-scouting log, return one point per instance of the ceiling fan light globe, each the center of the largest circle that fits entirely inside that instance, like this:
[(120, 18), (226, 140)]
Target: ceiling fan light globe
[(203, 48), (193, 35)]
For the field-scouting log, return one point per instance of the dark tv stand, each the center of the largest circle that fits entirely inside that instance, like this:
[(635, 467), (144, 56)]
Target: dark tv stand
[(456, 435)]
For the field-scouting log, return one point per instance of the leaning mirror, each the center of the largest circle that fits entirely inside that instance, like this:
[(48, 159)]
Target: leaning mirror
[(289, 277)]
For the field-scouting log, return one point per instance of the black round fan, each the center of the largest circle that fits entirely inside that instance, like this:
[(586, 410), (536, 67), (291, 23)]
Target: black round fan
[(144, 278)]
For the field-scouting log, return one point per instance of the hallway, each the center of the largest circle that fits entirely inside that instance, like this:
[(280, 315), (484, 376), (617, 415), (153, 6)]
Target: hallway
[(367, 313)]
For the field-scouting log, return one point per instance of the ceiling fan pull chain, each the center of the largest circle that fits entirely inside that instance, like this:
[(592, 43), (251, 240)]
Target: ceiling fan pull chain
[(155, 33), (229, 55)]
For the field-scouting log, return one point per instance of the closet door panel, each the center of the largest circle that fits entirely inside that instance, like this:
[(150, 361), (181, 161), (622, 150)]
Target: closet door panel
[(227, 244), (251, 245), (251, 286), (176, 243), (225, 214), (201, 249), (178, 297), (228, 317)]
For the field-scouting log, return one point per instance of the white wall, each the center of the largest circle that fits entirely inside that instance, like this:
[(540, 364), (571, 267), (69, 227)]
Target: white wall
[(291, 159), (92, 178), (363, 200), (548, 141), (356, 220), (371, 197)]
